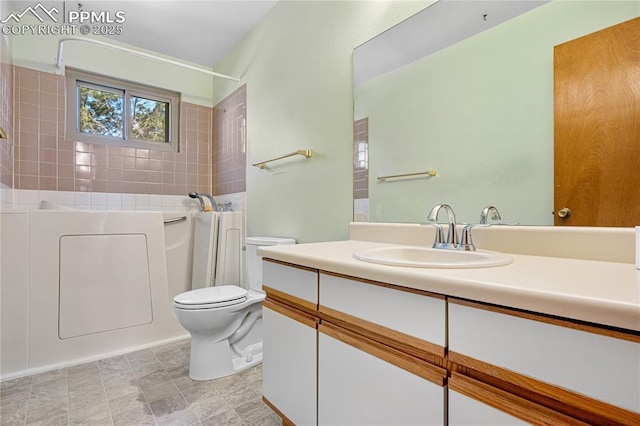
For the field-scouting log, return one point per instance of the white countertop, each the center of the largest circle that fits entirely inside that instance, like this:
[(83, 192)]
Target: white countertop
[(606, 293)]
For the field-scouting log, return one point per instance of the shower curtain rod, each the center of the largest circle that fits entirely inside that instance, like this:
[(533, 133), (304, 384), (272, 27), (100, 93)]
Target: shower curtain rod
[(134, 52)]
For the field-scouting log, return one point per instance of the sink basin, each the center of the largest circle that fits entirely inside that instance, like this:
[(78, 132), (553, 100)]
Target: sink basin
[(425, 257)]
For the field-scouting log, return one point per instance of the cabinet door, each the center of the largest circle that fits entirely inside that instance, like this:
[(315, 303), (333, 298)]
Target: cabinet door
[(357, 388), (289, 364), (465, 411), (601, 367)]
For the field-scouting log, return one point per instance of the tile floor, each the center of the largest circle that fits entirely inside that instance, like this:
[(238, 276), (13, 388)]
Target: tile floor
[(148, 387)]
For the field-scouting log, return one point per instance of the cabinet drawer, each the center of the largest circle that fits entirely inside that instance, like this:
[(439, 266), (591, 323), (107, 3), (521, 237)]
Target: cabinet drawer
[(408, 312), (301, 283), (601, 367)]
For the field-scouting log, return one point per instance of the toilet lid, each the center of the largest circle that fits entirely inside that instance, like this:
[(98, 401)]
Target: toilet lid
[(211, 297)]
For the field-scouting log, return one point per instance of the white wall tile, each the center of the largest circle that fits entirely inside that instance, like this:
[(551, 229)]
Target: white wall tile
[(114, 201), (98, 199), (82, 200), (142, 200), (67, 198), (128, 199), (27, 196), (50, 196), (155, 202)]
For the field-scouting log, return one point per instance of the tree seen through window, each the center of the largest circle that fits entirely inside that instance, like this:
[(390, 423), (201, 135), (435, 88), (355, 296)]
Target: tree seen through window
[(101, 112), (110, 111), (149, 119)]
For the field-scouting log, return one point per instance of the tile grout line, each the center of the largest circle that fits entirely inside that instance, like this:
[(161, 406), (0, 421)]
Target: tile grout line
[(26, 416), (104, 390), (155, 420), (68, 398), (176, 385)]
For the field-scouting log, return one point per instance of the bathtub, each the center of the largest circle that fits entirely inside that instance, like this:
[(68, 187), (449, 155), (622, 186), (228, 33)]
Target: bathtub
[(84, 285)]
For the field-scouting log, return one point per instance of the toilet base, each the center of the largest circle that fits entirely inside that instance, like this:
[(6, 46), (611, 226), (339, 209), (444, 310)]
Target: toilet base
[(210, 361)]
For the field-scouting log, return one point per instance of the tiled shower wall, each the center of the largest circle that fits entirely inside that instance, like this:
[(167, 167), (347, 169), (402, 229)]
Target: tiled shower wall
[(6, 121), (360, 160), (45, 160), (229, 142)]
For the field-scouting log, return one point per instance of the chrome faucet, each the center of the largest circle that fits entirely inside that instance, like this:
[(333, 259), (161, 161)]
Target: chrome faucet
[(484, 215), (214, 203), (466, 243), (451, 242)]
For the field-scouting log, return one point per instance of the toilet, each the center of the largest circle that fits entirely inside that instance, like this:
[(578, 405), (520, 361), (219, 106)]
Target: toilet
[(219, 314)]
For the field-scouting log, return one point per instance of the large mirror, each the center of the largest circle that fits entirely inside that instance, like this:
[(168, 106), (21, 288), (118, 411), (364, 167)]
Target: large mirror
[(465, 89)]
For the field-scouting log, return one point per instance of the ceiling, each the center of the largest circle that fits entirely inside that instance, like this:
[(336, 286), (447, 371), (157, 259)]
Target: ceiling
[(431, 30), (198, 31)]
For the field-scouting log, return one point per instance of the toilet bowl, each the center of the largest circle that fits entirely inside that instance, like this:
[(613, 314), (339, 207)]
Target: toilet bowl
[(212, 318), (219, 314)]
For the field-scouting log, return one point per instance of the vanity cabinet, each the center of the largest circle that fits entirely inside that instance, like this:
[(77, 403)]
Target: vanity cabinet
[(290, 342), (346, 351), (380, 354), (585, 372), (350, 351)]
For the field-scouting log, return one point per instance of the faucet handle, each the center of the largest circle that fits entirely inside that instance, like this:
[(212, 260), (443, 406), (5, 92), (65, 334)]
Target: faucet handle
[(466, 243), (439, 239)]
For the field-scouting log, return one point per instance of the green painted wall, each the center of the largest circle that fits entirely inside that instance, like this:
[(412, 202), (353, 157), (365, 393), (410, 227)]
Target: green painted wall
[(480, 113), (298, 70)]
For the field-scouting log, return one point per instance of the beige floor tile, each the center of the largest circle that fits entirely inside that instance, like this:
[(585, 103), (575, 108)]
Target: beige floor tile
[(138, 415), (148, 387), (128, 402), (240, 395), (227, 418), (209, 407), (254, 410), (153, 380)]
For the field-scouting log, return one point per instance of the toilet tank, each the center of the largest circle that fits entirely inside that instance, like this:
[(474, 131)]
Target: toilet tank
[(254, 262)]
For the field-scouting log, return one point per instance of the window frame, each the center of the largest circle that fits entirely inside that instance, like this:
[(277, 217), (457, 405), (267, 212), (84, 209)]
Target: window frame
[(75, 78)]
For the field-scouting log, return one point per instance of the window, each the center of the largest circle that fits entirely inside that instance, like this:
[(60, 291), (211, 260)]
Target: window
[(361, 156), (106, 110)]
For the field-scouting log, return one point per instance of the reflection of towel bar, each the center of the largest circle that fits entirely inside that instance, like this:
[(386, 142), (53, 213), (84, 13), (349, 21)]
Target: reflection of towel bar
[(428, 172), (175, 220), (306, 152)]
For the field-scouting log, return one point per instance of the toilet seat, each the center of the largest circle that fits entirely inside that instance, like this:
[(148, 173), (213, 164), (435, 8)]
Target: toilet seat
[(211, 297)]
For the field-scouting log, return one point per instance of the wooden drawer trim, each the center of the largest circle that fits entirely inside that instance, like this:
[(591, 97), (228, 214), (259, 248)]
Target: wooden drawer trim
[(416, 366), (508, 403), (287, 299), (411, 345), (285, 420), (558, 399), (548, 319), (381, 284), (290, 265), (289, 312)]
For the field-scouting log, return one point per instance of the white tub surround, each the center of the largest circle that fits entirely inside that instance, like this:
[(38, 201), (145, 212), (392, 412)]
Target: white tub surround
[(84, 285), (551, 338)]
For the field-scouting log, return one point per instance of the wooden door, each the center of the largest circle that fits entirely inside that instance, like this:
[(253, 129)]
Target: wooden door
[(597, 128)]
